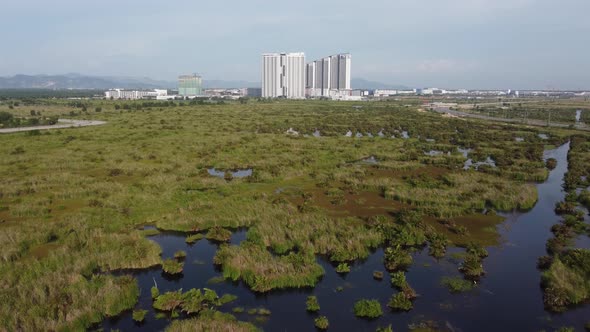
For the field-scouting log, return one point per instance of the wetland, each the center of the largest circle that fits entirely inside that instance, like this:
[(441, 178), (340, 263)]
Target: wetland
[(175, 215)]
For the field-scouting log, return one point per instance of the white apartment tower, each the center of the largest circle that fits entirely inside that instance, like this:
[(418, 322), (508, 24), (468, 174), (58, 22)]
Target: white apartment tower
[(283, 75), (328, 74)]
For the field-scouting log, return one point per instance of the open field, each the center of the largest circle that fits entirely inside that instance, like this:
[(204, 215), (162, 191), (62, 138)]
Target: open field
[(73, 202)]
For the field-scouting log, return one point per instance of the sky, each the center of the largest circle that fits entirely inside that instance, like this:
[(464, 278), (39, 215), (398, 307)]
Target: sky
[(485, 44)]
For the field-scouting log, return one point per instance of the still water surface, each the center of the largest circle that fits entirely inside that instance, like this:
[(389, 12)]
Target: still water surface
[(508, 298)]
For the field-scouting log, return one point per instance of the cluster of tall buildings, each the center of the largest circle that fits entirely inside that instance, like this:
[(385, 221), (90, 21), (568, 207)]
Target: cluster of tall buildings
[(287, 75)]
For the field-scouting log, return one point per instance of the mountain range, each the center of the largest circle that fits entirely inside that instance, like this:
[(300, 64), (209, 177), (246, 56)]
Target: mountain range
[(79, 81)]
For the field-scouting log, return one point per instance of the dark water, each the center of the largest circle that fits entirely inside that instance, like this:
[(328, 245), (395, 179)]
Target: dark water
[(508, 298)]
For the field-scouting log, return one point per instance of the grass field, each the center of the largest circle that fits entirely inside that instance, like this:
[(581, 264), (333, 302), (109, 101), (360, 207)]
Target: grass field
[(73, 202)]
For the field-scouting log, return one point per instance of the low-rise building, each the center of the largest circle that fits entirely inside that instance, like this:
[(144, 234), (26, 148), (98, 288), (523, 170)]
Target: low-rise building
[(135, 94)]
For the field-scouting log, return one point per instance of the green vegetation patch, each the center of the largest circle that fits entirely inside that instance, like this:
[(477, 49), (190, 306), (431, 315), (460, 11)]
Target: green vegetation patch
[(368, 309), (191, 239), (172, 266), (312, 304), (567, 281), (139, 315), (211, 320), (457, 285), (400, 302), (321, 322), (192, 301), (218, 234), (262, 271)]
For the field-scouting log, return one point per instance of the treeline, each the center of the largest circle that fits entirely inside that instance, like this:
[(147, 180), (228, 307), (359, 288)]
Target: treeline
[(8, 120), (6, 94)]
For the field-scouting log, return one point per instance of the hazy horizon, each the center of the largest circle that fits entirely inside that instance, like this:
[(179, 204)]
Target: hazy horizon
[(474, 44)]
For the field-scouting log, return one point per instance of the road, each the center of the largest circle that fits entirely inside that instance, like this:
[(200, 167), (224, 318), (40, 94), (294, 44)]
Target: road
[(530, 122), (62, 123)]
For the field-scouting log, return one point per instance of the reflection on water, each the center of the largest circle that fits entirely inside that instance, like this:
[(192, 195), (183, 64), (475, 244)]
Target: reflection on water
[(465, 152), (470, 164), (507, 298), (238, 173)]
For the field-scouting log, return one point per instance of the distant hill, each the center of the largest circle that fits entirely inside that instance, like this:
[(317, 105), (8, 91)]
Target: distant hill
[(78, 81), (360, 83)]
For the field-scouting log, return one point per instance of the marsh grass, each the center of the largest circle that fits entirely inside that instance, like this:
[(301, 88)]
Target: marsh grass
[(211, 320), (262, 271), (192, 301), (567, 281), (192, 239), (88, 190)]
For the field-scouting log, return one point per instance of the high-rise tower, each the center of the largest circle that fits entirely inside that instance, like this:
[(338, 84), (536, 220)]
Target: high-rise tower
[(283, 75), (328, 74)]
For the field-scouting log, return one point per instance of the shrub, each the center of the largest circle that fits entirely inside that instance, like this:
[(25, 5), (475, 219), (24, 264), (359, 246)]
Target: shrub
[(312, 304), (472, 266), (191, 239), (219, 234), (155, 292), (343, 268), (565, 208), (457, 285), (180, 255), (398, 279), (551, 163), (139, 315), (368, 309), (567, 281), (18, 150), (321, 322), (397, 259), (172, 266), (438, 245), (400, 302)]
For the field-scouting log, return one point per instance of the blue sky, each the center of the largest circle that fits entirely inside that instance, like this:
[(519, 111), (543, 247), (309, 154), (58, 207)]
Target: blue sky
[(519, 44)]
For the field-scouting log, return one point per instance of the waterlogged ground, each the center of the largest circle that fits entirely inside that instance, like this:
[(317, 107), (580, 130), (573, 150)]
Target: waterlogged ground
[(73, 203), (508, 297)]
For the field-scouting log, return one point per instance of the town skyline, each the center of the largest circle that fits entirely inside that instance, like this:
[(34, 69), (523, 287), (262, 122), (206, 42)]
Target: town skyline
[(454, 44)]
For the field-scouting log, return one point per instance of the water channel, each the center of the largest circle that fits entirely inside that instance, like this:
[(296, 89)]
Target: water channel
[(508, 297)]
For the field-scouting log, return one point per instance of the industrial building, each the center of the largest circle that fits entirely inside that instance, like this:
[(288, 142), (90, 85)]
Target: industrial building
[(328, 76), (283, 75), (190, 85)]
